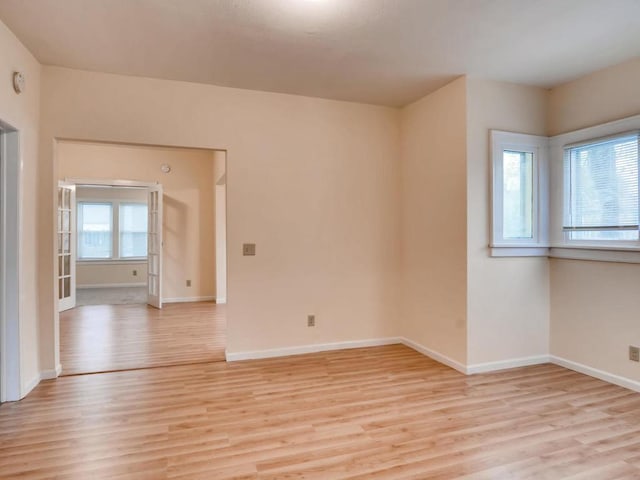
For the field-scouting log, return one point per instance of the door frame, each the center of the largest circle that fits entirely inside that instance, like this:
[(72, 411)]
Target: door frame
[(10, 254), (100, 182)]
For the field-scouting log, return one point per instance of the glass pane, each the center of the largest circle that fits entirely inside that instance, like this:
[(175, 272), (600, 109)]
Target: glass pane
[(153, 264), (59, 243), (66, 242), (67, 287), (60, 266), (66, 220), (133, 230), (95, 235), (59, 220), (603, 190), (60, 289), (67, 264), (66, 198), (517, 188)]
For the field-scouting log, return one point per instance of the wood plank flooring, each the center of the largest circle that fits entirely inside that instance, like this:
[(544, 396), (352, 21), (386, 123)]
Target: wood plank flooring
[(102, 338), (375, 413)]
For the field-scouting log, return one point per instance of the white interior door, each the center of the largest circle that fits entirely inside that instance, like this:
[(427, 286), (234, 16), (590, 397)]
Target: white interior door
[(154, 246), (66, 238)]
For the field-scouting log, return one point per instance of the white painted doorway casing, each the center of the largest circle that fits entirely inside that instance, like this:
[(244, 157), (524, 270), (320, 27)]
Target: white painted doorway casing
[(10, 387)]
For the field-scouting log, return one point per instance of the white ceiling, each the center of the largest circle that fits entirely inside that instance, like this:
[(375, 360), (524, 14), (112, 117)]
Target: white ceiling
[(374, 51)]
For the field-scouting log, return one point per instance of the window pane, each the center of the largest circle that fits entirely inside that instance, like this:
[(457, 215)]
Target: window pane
[(133, 230), (517, 188), (95, 236), (601, 189)]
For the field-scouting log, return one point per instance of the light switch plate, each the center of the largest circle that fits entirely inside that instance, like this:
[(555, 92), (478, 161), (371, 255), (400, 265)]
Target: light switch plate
[(248, 249)]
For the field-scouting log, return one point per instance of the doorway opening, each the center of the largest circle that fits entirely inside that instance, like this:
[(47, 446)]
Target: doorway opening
[(141, 271), (10, 388)]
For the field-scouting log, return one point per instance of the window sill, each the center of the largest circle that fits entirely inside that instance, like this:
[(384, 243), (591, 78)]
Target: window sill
[(597, 254), (112, 261), (518, 251)]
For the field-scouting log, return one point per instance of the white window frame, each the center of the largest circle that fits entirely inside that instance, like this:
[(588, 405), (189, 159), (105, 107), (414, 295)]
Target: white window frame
[(115, 232), (599, 250), (537, 146)]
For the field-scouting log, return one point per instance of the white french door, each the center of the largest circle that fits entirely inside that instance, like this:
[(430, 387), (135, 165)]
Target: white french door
[(154, 245), (66, 229)]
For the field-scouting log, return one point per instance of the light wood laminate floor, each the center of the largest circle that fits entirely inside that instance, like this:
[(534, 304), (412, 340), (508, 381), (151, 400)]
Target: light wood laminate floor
[(102, 338), (374, 413)]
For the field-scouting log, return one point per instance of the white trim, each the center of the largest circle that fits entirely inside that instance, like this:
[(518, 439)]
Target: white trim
[(10, 259), (318, 347), (596, 254), (110, 285), (594, 372), (437, 356), (221, 300), (124, 261), (503, 251), (206, 298), (538, 147), (557, 194), (487, 367), (87, 182), (51, 374), (33, 383)]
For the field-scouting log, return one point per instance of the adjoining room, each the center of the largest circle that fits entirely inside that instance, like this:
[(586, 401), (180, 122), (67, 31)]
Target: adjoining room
[(139, 285)]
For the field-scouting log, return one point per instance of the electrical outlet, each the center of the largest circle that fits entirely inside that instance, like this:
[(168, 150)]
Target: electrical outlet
[(135, 273), (248, 249), (634, 353), (188, 283), (311, 320)]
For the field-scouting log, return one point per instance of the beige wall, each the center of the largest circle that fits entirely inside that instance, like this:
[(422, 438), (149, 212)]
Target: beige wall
[(434, 221), (23, 113), (89, 274), (595, 305), (189, 210), (508, 298), (312, 182)]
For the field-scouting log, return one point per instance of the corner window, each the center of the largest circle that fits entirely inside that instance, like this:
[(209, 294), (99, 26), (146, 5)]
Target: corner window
[(601, 191), (519, 194)]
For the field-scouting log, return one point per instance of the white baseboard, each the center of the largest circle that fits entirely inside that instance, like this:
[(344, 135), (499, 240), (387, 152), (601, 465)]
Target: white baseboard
[(221, 300), (437, 356), (505, 364), (33, 383), (318, 347), (110, 285), (50, 374), (594, 372), (188, 299)]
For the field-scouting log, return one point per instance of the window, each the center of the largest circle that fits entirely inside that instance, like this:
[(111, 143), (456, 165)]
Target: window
[(133, 230), (601, 191), (519, 194), (95, 230), (112, 230)]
